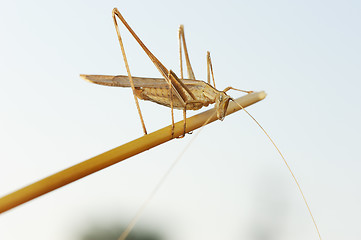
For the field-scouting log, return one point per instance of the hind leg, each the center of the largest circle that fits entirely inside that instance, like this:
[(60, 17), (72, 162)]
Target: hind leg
[(116, 13)]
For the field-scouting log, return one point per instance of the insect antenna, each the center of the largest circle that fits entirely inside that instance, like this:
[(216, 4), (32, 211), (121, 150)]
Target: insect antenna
[(287, 165)]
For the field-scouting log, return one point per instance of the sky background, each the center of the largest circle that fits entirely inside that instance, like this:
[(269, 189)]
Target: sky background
[(231, 183)]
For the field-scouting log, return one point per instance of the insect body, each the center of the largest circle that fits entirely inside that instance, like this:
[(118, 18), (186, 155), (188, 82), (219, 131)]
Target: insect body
[(170, 91), (157, 90)]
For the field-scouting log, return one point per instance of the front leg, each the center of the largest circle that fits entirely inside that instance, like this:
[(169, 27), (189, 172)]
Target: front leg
[(229, 88)]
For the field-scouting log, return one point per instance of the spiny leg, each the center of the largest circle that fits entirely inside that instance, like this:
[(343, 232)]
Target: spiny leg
[(114, 13)]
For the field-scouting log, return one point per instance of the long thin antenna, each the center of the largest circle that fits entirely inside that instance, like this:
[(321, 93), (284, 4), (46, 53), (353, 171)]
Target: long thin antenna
[(288, 166)]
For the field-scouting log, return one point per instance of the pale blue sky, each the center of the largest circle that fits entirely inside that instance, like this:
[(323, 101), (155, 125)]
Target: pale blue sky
[(231, 183)]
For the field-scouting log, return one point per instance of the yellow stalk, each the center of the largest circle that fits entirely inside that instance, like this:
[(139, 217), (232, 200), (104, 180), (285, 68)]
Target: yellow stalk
[(117, 154)]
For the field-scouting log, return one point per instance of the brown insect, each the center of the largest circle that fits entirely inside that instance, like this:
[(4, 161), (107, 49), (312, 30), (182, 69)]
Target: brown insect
[(170, 91), (174, 92)]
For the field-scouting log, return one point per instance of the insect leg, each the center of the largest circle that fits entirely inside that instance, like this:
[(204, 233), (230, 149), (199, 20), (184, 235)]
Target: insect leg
[(171, 103), (210, 70), (178, 88), (184, 90), (185, 93), (161, 68), (182, 42), (229, 88), (185, 120), (128, 71)]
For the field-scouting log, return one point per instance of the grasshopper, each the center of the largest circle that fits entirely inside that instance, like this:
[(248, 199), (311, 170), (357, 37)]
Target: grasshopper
[(170, 91), (178, 93)]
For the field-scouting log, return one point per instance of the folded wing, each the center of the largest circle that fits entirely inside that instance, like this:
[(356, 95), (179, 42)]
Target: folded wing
[(123, 81)]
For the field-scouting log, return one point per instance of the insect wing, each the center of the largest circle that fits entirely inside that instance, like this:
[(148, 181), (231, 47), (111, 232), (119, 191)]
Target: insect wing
[(123, 81)]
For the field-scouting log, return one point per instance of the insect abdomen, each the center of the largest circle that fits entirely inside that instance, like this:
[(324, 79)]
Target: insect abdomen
[(162, 97)]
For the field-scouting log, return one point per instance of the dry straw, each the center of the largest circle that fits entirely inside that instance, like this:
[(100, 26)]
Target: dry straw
[(118, 154)]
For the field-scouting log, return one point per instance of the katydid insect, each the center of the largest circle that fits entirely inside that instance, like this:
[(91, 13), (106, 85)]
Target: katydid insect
[(170, 91), (174, 92)]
